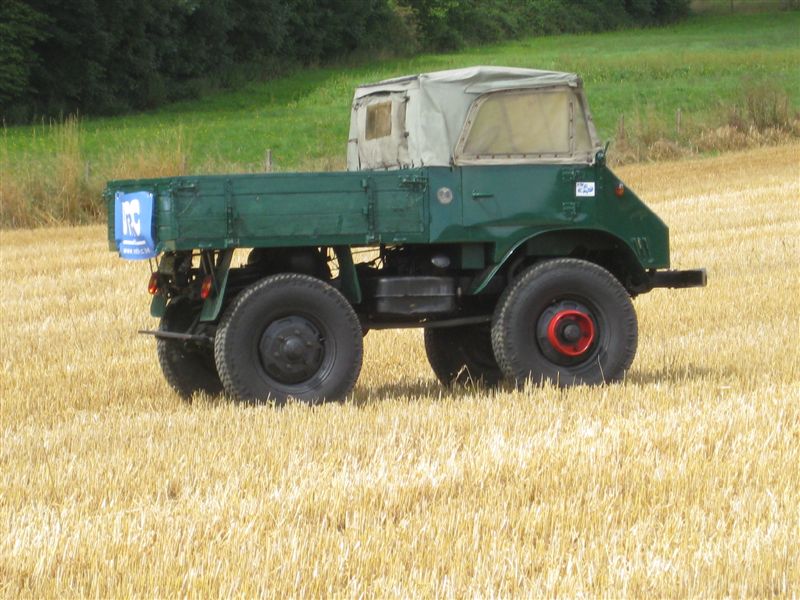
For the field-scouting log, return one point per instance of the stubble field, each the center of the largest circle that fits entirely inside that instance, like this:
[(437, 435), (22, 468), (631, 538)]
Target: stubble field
[(683, 480)]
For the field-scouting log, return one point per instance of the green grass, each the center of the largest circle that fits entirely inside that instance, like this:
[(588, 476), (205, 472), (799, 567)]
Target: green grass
[(697, 66), (702, 66)]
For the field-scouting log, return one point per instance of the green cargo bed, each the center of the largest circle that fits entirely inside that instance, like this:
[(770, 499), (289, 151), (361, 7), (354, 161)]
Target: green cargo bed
[(283, 209)]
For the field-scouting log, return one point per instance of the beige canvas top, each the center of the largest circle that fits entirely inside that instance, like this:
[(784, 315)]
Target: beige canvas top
[(477, 115)]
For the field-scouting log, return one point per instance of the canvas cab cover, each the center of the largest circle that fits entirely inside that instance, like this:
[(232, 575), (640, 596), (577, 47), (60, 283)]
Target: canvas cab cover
[(477, 115)]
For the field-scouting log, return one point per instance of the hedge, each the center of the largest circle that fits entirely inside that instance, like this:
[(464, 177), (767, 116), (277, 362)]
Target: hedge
[(112, 56)]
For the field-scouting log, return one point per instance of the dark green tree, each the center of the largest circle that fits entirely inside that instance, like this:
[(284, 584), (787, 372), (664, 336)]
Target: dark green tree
[(111, 56), (21, 27)]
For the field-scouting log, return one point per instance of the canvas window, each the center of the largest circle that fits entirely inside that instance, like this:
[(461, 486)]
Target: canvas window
[(529, 123), (379, 120), (382, 137)]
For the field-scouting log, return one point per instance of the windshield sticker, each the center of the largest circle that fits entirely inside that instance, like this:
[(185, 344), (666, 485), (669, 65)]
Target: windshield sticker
[(584, 189)]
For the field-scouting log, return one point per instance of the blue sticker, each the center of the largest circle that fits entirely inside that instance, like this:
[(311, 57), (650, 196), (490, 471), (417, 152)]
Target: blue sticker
[(133, 225)]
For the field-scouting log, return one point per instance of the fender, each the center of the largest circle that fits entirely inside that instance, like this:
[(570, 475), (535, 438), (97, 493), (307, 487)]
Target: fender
[(562, 242), (213, 304), (158, 306)]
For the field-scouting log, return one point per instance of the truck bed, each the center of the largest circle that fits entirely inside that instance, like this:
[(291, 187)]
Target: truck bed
[(258, 210)]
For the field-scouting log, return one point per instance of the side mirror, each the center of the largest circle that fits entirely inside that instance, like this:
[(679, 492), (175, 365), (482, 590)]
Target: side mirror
[(600, 157)]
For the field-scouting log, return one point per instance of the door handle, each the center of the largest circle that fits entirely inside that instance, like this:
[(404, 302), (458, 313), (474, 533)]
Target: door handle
[(481, 195)]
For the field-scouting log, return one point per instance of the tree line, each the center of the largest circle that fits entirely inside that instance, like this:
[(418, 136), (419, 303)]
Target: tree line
[(106, 57)]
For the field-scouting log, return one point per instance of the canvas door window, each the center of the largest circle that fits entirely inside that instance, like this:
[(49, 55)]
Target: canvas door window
[(382, 141)]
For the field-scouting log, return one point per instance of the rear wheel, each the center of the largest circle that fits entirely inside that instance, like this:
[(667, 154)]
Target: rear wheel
[(289, 335), (189, 366), (462, 354), (565, 321)]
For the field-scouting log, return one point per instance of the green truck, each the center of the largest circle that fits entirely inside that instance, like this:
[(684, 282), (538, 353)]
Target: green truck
[(476, 204)]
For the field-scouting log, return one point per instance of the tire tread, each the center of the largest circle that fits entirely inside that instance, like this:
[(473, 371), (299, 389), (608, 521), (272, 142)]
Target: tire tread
[(183, 374), (450, 365)]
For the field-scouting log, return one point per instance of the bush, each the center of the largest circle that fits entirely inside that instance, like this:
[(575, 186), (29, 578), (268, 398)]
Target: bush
[(764, 106)]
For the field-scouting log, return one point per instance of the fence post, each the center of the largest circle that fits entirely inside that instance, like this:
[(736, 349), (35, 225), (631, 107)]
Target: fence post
[(268, 161)]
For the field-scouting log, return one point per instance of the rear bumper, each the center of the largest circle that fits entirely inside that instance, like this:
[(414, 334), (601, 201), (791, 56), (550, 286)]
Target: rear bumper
[(678, 279)]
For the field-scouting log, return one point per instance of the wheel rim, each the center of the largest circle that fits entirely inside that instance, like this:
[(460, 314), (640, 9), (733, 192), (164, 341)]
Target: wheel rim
[(292, 349), (567, 332)]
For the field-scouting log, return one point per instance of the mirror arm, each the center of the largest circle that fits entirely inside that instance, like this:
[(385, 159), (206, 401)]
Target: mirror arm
[(600, 157)]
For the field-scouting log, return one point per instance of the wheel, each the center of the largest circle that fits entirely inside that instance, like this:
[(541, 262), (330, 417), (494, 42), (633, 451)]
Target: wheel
[(188, 367), (289, 335), (462, 354), (565, 321)]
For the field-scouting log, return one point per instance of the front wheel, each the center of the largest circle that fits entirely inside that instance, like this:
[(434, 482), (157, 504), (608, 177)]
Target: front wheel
[(565, 321), (289, 335)]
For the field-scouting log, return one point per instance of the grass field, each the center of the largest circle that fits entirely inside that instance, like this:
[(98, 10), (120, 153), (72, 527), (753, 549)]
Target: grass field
[(715, 69), (683, 480)]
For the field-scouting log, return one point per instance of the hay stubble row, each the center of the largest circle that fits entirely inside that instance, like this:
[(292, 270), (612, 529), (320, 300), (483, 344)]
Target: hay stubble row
[(681, 480)]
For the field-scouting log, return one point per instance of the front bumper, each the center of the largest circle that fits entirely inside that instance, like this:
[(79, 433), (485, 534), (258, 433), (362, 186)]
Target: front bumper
[(678, 279)]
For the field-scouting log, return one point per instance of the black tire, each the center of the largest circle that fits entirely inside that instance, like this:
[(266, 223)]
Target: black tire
[(188, 367), (565, 321), (462, 355), (289, 335)]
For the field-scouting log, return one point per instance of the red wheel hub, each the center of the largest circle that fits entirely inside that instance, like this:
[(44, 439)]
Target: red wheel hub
[(571, 332)]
